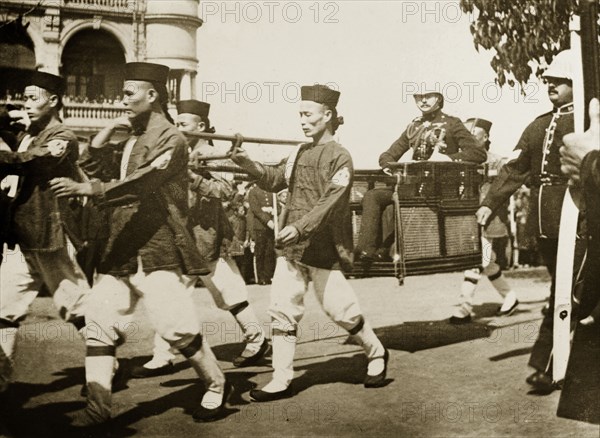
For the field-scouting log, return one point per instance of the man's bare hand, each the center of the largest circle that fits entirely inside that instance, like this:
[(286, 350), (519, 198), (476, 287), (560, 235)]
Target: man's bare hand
[(19, 117), (240, 157), (65, 187), (287, 235), (483, 215), (121, 123)]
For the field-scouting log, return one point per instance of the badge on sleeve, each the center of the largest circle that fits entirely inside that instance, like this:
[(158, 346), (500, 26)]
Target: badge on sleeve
[(342, 177), (57, 148), (162, 161)]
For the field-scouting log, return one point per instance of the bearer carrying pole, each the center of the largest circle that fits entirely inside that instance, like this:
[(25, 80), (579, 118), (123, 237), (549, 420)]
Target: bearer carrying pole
[(233, 138)]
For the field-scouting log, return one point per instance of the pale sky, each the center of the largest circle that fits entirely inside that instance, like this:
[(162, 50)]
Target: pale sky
[(254, 55)]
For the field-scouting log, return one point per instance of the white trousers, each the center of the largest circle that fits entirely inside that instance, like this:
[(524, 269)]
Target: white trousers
[(225, 283), (24, 273), (290, 284), (226, 286), (167, 299)]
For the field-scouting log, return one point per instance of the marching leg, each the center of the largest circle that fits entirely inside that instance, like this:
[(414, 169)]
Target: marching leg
[(341, 304), (228, 289), (256, 342), (161, 362), (464, 312), (174, 317), (287, 308), (503, 288), (110, 306), (204, 362)]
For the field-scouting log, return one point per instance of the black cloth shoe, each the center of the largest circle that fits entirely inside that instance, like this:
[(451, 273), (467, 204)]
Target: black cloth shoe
[(141, 372), (458, 320), (541, 382), (205, 415), (378, 380), (246, 361), (258, 395), (508, 312)]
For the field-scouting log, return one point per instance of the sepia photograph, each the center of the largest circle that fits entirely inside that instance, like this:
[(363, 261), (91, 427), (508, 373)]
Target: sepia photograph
[(299, 218)]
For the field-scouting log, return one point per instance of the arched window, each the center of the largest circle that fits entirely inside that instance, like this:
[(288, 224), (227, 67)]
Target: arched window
[(16, 55), (92, 63)]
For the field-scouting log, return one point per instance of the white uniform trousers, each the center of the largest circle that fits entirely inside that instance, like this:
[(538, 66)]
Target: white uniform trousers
[(290, 284), (167, 299), (225, 283), (24, 273), (228, 289)]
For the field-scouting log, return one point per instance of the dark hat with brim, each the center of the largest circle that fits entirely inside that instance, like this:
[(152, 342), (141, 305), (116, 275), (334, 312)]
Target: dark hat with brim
[(193, 107), (486, 125), (47, 81), (146, 71), (320, 94)]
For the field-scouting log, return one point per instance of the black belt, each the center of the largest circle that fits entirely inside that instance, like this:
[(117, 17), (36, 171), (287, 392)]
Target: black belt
[(550, 180)]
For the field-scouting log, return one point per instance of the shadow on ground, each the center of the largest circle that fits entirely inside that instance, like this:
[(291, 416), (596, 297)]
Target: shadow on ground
[(51, 420)]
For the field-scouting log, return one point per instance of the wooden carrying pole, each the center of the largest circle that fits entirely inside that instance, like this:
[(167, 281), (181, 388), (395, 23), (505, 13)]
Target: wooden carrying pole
[(233, 138)]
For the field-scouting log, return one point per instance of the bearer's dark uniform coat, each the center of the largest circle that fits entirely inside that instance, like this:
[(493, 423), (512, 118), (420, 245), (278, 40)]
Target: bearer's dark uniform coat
[(212, 230), (536, 160), (149, 215), (319, 180), (37, 217), (580, 398)]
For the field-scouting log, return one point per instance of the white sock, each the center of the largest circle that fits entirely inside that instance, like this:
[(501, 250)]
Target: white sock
[(284, 349), (467, 293), (373, 347), (253, 332), (509, 301), (212, 400)]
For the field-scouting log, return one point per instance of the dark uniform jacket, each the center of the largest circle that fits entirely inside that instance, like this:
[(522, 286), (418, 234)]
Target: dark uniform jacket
[(422, 133), (257, 199), (212, 230), (149, 208), (319, 180), (580, 397), (498, 226), (536, 160), (37, 220)]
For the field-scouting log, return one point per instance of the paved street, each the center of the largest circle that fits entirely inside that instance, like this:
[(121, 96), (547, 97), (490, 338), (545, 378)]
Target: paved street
[(444, 380)]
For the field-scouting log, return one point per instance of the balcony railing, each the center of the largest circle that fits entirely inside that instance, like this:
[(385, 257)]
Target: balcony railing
[(92, 111), (83, 116), (116, 6)]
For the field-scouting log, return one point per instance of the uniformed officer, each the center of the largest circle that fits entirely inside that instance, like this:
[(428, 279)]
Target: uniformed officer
[(37, 223), (213, 234), (261, 211), (580, 397), (434, 135), (316, 241), (496, 228), (536, 159), (150, 249)]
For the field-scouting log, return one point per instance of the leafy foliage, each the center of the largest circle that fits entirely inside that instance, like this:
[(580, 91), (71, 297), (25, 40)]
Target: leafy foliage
[(520, 32)]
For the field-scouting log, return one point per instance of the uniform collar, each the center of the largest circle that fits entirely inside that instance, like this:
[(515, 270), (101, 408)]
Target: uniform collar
[(567, 108), (429, 117), (141, 123)]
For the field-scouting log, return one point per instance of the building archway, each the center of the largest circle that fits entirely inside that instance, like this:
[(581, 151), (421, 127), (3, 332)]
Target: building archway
[(17, 55), (93, 65)]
